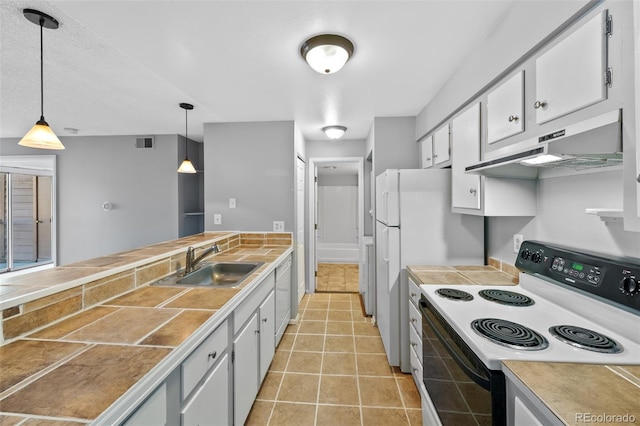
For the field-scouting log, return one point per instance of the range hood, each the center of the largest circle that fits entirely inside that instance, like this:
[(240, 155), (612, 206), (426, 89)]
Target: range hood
[(592, 143)]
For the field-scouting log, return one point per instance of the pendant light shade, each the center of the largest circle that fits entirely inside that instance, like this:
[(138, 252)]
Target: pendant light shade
[(334, 132), (41, 135), (327, 53), (187, 165)]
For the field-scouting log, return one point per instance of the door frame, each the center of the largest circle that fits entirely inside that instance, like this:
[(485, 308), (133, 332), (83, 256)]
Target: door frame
[(312, 170)]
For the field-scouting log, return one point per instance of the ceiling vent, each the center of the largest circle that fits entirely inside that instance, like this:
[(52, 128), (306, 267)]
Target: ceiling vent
[(145, 142)]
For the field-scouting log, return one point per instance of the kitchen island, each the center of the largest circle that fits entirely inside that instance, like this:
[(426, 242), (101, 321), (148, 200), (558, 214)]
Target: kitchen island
[(130, 344)]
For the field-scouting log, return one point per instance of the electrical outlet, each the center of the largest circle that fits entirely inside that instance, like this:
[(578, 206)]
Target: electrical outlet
[(232, 203), (278, 226), (217, 219), (517, 242)]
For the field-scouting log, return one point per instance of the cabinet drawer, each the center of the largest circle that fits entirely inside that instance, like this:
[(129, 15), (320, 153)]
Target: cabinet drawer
[(208, 353), (252, 302), (414, 292), (415, 341), (415, 319), (416, 368)]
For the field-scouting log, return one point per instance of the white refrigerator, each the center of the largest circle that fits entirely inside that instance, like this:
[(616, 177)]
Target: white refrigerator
[(415, 226)]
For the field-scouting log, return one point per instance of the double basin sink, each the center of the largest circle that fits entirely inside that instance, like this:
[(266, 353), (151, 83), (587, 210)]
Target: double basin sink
[(215, 275)]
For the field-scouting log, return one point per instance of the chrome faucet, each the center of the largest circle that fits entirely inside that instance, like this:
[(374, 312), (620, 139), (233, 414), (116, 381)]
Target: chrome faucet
[(192, 262)]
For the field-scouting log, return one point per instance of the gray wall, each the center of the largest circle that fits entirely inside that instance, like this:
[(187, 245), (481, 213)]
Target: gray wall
[(394, 144), (336, 148), (562, 201), (252, 162), (141, 184)]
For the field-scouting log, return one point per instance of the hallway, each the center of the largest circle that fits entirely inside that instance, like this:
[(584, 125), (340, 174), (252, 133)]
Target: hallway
[(330, 369), (337, 277)]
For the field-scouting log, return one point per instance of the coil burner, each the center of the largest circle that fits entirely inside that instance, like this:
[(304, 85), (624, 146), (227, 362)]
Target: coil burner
[(509, 334), (506, 297), (585, 339), (454, 294)]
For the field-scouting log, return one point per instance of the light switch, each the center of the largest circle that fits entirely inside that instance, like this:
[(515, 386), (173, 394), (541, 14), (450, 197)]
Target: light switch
[(217, 219), (278, 226), (232, 203)]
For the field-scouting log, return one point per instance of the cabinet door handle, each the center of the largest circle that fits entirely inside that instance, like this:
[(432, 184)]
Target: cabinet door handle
[(413, 320), (257, 331), (539, 104), (473, 191), (264, 320), (413, 344), (513, 118), (435, 155), (638, 178), (413, 295), (212, 355), (428, 158)]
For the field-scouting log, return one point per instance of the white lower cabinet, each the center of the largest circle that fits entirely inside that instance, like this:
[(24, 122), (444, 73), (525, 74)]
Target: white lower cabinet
[(210, 404), (267, 334), (246, 346), (153, 411)]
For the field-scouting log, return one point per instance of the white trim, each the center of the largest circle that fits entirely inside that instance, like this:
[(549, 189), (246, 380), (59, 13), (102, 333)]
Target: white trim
[(313, 165)]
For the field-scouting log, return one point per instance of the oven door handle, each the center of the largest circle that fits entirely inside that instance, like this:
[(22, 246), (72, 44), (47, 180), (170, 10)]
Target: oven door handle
[(468, 369)]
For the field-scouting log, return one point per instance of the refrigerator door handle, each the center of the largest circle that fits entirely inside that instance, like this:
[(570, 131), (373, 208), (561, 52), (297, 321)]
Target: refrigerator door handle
[(385, 206), (385, 252)]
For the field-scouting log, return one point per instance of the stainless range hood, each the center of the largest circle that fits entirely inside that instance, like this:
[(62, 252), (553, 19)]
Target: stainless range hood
[(592, 143)]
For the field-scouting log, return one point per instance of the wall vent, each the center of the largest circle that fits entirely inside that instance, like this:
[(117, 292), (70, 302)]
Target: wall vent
[(145, 142)]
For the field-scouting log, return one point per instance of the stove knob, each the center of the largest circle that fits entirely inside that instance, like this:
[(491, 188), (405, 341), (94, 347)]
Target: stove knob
[(525, 254), (536, 258), (630, 286)]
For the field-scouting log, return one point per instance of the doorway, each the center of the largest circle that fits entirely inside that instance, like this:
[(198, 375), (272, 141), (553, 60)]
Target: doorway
[(337, 210)]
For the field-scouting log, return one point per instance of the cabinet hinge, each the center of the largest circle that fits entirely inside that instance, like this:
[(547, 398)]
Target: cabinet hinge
[(609, 26), (315, 226), (233, 356), (608, 76), (315, 178), (315, 274)]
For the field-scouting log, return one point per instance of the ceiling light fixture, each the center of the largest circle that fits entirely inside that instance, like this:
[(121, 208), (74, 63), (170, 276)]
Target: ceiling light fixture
[(326, 53), (186, 166), (41, 135), (334, 132)]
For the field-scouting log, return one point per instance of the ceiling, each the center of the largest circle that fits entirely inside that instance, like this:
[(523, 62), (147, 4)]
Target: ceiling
[(122, 67)]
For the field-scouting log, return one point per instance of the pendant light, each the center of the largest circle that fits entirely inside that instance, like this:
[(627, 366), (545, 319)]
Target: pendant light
[(41, 135), (186, 166), (327, 53)]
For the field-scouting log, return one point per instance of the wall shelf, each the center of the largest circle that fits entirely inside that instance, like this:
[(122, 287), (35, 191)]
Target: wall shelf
[(607, 215)]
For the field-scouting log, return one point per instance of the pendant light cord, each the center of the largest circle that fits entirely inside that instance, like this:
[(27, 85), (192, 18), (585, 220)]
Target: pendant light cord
[(41, 72), (186, 139)]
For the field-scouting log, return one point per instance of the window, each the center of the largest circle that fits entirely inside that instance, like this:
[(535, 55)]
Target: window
[(27, 226)]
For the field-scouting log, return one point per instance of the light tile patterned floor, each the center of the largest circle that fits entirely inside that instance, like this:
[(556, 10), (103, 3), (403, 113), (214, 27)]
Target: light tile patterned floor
[(337, 277), (330, 369)]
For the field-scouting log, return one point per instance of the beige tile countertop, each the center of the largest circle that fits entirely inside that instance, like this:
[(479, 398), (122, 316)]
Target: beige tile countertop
[(452, 275), (69, 369), (573, 392)]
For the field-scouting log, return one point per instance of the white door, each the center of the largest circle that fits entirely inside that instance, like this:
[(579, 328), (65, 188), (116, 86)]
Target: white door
[(441, 146), (315, 226), (465, 130), (570, 75), (426, 148), (300, 224), (505, 109), (210, 405), (245, 369)]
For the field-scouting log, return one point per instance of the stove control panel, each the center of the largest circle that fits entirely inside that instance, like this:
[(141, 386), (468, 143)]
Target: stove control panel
[(616, 279)]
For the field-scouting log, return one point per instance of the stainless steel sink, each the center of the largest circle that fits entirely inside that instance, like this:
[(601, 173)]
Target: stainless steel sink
[(220, 274)]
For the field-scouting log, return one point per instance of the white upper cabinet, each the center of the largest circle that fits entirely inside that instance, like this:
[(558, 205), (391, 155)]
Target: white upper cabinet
[(465, 131), (571, 74), (505, 109), (441, 146), (426, 150)]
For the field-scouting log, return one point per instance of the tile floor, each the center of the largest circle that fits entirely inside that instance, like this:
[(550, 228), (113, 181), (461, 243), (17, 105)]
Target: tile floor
[(330, 369), (337, 277)]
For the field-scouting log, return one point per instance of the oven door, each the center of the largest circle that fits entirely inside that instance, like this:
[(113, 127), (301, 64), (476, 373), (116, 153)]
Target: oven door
[(463, 390)]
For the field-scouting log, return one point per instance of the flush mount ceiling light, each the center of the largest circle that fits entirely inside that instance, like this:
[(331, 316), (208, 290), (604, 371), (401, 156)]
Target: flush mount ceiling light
[(326, 53), (186, 166), (334, 132), (41, 135)]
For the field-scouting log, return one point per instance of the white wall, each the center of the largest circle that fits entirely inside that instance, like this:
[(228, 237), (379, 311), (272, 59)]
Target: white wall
[(394, 144), (141, 184), (252, 162)]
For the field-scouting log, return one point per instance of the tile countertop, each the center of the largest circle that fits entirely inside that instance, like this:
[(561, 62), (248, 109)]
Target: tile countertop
[(452, 275), (574, 391), (80, 366)]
